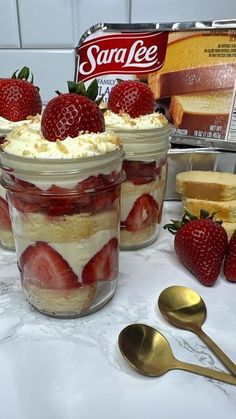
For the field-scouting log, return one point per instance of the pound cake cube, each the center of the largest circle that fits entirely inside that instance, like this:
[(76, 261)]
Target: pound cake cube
[(224, 210), (207, 185), (229, 228)]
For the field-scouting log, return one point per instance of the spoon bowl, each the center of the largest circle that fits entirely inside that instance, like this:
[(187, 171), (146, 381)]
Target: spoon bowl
[(149, 353), (145, 349), (184, 308)]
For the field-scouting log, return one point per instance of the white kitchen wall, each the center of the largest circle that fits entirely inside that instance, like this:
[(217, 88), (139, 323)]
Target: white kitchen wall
[(42, 34)]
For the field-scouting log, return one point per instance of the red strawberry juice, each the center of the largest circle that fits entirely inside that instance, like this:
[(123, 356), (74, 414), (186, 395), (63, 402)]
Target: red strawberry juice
[(64, 201), (146, 142)]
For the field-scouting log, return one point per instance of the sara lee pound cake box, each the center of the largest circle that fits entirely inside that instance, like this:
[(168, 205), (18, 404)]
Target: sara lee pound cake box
[(190, 67)]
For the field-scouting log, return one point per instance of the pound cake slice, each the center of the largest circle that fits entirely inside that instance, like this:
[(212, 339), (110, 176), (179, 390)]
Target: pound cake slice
[(207, 185), (201, 110), (192, 52), (200, 79), (224, 210)]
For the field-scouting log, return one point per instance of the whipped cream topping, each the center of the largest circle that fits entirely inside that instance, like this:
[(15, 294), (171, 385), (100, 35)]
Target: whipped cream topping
[(124, 121), (6, 125), (27, 141)]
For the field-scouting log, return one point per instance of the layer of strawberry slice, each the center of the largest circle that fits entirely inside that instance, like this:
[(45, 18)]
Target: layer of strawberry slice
[(139, 172), (142, 215), (91, 195), (103, 266), (44, 267), (5, 221)]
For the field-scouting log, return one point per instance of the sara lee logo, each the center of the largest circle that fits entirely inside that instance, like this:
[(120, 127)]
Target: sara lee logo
[(126, 53)]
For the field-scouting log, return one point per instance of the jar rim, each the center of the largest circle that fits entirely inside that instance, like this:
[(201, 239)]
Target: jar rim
[(165, 129), (14, 157)]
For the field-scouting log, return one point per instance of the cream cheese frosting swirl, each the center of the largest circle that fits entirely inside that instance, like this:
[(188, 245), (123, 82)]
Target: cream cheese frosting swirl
[(6, 125)]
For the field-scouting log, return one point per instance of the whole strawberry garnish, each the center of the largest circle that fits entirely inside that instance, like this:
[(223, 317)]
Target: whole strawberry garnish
[(230, 259), (132, 97), (68, 114), (19, 98), (200, 244)]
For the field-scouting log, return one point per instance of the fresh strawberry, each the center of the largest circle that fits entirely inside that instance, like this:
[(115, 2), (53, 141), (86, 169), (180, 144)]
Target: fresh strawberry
[(200, 244), (19, 98), (230, 259), (43, 266), (132, 97), (5, 221), (68, 114), (104, 264), (142, 215)]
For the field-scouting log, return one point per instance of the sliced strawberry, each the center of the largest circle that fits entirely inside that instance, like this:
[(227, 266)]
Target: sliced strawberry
[(5, 221), (139, 172), (25, 202), (103, 266), (143, 214), (43, 266)]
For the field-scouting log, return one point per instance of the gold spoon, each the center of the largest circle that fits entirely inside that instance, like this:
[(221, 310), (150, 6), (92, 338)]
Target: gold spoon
[(148, 351), (184, 308)]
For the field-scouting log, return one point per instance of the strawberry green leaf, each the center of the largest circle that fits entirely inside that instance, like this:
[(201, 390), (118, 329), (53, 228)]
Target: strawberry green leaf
[(92, 90), (72, 86), (81, 89), (24, 73), (14, 74)]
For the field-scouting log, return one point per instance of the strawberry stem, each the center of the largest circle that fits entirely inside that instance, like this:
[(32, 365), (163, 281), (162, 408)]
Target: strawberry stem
[(175, 225), (91, 92), (23, 74)]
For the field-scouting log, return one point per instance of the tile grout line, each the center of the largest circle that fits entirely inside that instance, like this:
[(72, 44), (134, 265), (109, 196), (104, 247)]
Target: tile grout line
[(130, 10), (18, 21)]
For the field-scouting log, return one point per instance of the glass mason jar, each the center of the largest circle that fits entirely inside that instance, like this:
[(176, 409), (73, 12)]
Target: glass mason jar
[(142, 193), (65, 218), (6, 235)]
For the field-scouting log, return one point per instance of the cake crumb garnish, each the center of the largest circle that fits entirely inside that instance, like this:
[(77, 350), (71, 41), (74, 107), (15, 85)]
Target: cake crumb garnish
[(62, 147)]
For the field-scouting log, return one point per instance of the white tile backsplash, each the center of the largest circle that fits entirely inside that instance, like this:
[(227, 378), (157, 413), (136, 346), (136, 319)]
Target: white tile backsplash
[(90, 12), (43, 33), (181, 10), (9, 31), (47, 23), (51, 68)]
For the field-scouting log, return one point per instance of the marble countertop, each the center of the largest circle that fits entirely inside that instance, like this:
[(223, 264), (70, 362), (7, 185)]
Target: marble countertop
[(72, 369)]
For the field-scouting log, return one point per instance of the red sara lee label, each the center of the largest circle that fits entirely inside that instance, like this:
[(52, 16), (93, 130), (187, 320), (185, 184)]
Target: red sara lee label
[(125, 53)]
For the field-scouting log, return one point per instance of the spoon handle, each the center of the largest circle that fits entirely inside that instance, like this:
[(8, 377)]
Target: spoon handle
[(206, 372), (217, 351)]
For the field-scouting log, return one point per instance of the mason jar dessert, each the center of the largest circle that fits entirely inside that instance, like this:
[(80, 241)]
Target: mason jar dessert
[(64, 199), (145, 137)]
